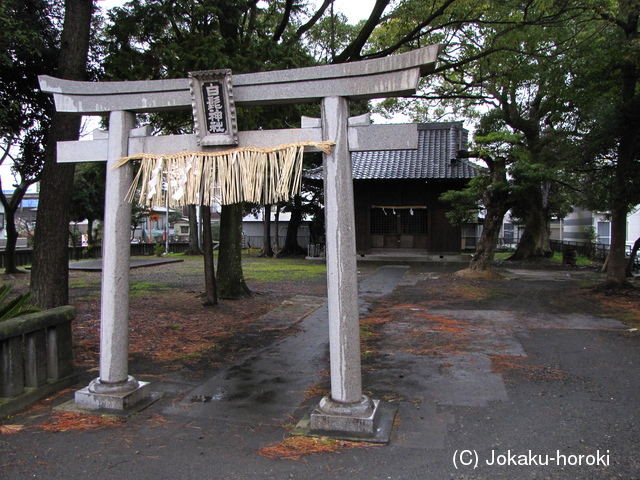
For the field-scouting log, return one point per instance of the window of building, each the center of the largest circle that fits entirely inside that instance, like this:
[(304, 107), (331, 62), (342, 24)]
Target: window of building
[(507, 230), (604, 233)]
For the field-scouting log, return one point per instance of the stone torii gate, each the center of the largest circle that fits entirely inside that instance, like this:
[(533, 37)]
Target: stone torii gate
[(346, 410)]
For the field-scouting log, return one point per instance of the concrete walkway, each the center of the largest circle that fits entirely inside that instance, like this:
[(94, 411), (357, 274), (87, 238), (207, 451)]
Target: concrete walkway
[(270, 385), (569, 409), (96, 265)]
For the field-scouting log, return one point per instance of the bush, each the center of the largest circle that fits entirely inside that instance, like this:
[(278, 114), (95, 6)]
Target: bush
[(15, 307), (158, 249)]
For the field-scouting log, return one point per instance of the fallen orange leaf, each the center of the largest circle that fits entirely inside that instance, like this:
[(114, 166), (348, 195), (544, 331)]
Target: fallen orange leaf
[(10, 429)]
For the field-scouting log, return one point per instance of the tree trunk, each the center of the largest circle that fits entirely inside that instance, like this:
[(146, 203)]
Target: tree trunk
[(545, 240), (291, 246), (624, 191), (616, 262), (536, 238), (91, 240), (483, 259), (495, 198), (50, 270), (531, 242), (267, 251), (194, 248), (632, 258), (12, 238), (230, 278), (10, 207), (276, 243), (210, 288)]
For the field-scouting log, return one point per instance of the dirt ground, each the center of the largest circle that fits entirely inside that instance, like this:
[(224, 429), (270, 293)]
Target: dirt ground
[(171, 331), (410, 319), (531, 360)]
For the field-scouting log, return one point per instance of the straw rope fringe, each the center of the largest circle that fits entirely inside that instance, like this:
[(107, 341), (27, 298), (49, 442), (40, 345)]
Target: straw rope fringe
[(249, 174)]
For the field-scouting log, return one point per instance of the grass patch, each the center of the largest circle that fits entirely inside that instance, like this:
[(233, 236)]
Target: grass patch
[(84, 284), (191, 356), (282, 269), (141, 289), (580, 260), (366, 331), (366, 355), (555, 259)]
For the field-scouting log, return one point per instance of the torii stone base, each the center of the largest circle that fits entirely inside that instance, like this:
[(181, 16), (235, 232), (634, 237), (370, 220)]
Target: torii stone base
[(121, 405), (368, 421), (131, 394)]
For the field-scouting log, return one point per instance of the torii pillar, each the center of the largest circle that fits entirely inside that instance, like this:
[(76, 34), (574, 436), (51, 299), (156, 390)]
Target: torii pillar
[(347, 410), (114, 389), (346, 413)]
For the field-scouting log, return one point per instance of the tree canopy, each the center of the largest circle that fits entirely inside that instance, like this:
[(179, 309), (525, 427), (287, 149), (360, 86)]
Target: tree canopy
[(28, 47), (561, 76)]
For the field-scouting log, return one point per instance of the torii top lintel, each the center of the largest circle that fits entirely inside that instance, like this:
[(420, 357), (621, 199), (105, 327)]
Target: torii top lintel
[(395, 75)]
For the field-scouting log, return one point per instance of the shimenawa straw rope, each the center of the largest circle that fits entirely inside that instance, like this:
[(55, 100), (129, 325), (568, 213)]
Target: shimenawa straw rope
[(248, 174)]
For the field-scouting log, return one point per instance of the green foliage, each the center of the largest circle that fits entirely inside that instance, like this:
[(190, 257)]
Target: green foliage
[(29, 37), (148, 40), (330, 35), (15, 307), (74, 237), (606, 88), (492, 142), (158, 249), (87, 200), (465, 203)]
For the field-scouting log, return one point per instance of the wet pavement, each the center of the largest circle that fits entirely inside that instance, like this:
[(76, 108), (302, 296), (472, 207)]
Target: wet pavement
[(564, 405)]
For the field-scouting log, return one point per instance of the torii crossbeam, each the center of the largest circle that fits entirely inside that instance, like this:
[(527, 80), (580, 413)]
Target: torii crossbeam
[(346, 411)]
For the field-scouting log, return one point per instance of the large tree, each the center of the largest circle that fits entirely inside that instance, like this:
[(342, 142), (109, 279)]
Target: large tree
[(607, 82), (514, 58), (490, 192), (558, 71), (29, 37), (230, 278), (50, 270), (11, 201), (150, 40)]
